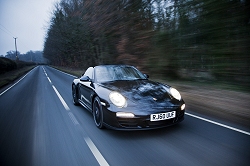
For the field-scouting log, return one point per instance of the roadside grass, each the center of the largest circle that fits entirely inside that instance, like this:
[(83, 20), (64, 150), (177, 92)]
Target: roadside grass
[(245, 88), (75, 72), (11, 76), (224, 101)]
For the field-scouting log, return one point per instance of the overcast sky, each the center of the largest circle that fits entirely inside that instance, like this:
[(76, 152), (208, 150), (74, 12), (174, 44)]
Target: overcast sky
[(25, 19)]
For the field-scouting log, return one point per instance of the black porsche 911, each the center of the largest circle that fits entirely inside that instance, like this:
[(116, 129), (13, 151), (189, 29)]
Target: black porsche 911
[(121, 97)]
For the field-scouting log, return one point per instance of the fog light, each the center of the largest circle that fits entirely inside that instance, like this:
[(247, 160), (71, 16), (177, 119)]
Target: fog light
[(125, 115), (183, 106)]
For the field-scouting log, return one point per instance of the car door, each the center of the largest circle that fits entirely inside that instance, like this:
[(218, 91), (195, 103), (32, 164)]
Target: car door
[(87, 88)]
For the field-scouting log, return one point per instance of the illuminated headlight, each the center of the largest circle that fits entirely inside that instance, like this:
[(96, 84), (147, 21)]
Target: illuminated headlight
[(183, 107), (125, 115), (175, 93), (117, 99)]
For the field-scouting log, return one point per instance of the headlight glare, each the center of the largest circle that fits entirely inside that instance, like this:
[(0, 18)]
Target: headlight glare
[(117, 99), (175, 93)]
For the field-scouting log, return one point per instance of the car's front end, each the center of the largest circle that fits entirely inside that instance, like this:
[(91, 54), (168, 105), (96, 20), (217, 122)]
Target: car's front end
[(137, 120), (146, 105)]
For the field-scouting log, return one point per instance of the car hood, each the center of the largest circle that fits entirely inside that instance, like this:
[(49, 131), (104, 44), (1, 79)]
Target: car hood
[(142, 92)]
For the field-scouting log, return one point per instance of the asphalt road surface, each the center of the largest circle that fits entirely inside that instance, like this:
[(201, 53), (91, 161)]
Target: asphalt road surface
[(39, 125)]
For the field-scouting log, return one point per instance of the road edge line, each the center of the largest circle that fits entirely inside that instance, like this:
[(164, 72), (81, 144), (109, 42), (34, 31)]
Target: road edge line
[(219, 124), (16, 82)]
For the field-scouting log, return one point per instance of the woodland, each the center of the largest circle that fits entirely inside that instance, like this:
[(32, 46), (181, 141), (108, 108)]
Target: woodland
[(171, 38)]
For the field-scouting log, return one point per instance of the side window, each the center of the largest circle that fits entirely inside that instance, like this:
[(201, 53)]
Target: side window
[(89, 72)]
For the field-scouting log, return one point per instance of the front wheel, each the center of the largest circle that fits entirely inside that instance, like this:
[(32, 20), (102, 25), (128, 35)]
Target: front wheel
[(97, 113)]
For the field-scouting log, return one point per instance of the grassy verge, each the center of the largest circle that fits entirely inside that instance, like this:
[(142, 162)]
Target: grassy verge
[(75, 72), (11, 76), (222, 101)]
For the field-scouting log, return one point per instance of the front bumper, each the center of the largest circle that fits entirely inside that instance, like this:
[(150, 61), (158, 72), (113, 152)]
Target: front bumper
[(140, 122)]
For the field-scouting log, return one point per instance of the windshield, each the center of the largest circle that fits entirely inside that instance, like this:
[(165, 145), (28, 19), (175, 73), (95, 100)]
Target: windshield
[(113, 73)]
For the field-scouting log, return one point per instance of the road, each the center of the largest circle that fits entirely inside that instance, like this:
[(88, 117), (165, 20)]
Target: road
[(40, 126)]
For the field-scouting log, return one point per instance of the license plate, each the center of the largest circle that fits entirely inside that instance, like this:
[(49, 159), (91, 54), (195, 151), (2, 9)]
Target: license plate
[(162, 116)]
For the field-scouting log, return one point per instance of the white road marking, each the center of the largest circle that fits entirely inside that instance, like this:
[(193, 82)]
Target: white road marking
[(61, 99), (90, 144), (219, 124), (64, 72), (58, 94), (49, 80), (96, 152), (44, 71), (73, 118), (16, 82)]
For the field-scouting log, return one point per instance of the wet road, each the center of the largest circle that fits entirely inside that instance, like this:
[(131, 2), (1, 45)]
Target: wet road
[(39, 125)]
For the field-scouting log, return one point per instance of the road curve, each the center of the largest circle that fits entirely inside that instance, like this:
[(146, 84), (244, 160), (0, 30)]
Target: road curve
[(40, 126)]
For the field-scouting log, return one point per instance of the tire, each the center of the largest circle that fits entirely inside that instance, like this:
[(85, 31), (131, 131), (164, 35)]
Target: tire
[(75, 95), (98, 113)]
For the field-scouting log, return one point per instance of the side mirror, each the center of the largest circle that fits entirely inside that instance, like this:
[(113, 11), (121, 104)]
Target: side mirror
[(85, 79), (147, 76)]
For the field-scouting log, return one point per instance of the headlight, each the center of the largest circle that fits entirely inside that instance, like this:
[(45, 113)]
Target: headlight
[(175, 93), (117, 99), (183, 107)]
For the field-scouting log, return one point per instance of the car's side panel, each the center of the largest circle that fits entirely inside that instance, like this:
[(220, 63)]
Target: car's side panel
[(86, 93)]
